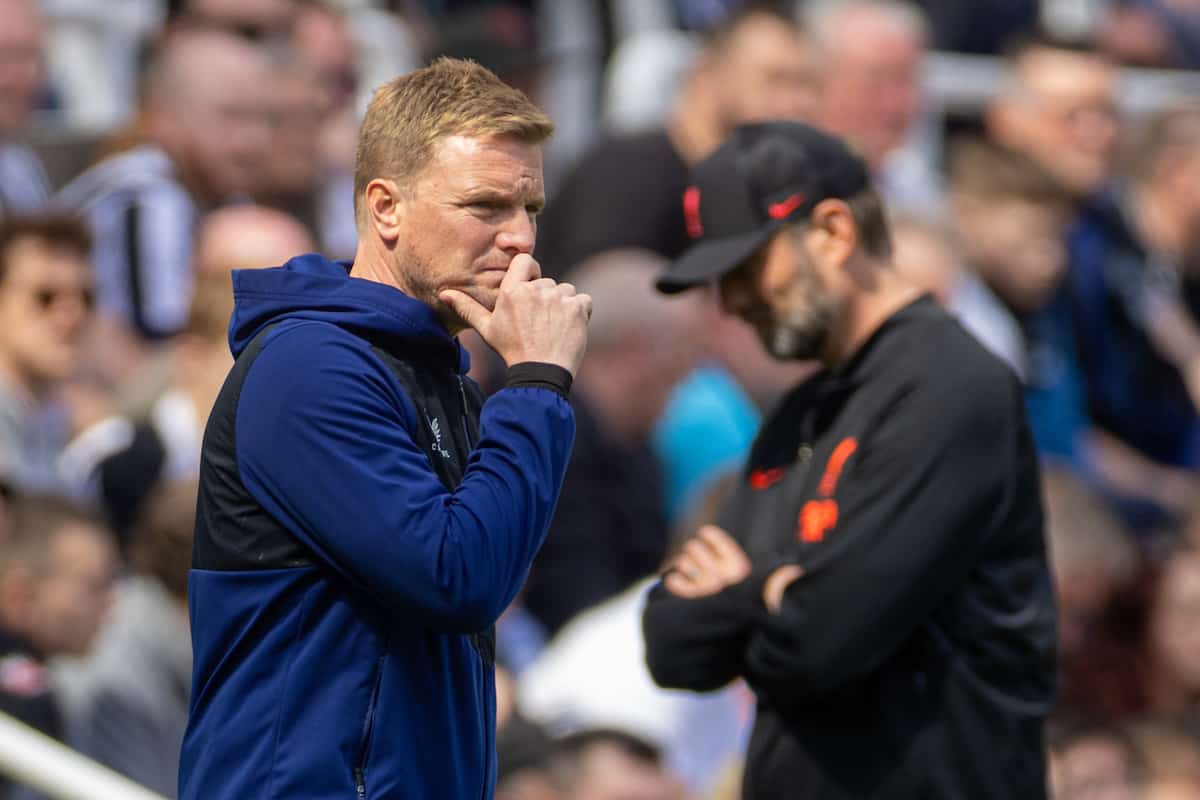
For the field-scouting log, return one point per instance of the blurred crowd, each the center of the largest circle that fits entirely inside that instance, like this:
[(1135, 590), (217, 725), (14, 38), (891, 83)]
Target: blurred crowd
[(1059, 224)]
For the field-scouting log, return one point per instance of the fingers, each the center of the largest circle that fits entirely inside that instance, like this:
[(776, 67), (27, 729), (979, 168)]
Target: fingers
[(521, 269), (707, 564), (736, 562), (536, 318), (467, 307), (705, 559), (721, 542), (777, 583), (678, 584)]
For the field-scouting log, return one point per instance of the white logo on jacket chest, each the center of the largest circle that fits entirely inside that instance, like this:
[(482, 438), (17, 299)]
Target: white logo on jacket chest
[(435, 425)]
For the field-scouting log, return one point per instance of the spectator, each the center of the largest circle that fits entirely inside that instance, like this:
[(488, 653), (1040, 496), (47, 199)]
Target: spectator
[(1090, 759), (45, 310), (164, 444), (609, 527), (1011, 217), (129, 699), (626, 192), (1059, 107), (1161, 205), (322, 38), (1138, 347), (23, 185), (198, 140), (872, 52), (291, 174), (56, 574)]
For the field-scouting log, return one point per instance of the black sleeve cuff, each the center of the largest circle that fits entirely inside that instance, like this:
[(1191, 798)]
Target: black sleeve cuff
[(539, 375)]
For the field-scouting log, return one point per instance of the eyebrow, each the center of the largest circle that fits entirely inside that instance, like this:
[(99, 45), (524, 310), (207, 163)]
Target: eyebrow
[(538, 201)]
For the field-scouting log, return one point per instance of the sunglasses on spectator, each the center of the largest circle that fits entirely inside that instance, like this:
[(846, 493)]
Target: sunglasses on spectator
[(46, 297), (258, 33)]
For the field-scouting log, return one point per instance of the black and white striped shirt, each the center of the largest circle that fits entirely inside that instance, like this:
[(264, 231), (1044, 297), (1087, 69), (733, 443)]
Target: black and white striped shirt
[(23, 185), (143, 220)]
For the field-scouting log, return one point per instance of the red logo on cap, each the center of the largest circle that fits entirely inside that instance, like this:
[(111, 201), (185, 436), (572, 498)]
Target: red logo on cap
[(784, 207), (691, 212)]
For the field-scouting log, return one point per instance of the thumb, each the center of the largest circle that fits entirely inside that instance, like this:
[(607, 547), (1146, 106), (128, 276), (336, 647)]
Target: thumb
[(467, 307)]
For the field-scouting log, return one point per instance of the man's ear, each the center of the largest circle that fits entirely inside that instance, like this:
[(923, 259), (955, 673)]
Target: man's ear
[(836, 235), (383, 202)]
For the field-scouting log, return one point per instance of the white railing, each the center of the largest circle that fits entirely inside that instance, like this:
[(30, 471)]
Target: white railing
[(33, 759)]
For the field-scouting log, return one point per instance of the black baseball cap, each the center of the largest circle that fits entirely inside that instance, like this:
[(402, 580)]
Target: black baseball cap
[(762, 177)]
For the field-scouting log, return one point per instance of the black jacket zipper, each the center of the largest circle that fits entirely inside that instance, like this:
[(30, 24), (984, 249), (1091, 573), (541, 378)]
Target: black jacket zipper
[(360, 769)]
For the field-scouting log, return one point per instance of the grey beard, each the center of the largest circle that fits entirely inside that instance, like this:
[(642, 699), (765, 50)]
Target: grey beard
[(790, 342)]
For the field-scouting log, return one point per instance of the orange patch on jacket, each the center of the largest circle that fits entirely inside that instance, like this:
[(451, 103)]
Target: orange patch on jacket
[(819, 516), (833, 470)]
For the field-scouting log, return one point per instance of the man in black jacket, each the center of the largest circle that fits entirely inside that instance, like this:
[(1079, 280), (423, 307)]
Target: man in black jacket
[(879, 574)]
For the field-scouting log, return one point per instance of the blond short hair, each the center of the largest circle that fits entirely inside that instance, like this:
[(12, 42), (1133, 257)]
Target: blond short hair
[(450, 97)]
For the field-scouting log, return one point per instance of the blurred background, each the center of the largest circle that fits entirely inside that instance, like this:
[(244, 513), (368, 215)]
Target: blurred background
[(1041, 163)]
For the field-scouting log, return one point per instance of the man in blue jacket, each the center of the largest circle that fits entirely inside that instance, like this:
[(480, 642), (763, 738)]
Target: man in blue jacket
[(364, 517)]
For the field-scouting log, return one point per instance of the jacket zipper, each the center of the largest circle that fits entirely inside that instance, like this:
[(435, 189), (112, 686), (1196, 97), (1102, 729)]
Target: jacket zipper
[(483, 691), (488, 728), (360, 769), (462, 393)]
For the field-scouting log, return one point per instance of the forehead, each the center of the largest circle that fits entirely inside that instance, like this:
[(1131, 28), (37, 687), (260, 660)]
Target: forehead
[(30, 258), (864, 34), (1059, 73), (465, 163), (218, 68), (80, 547), (762, 36)]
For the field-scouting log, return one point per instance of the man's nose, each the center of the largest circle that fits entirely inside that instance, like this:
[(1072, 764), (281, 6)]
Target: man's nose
[(519, 233)]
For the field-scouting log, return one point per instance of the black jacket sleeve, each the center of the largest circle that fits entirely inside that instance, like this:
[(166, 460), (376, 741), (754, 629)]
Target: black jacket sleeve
[(929, 482), (700, 643)]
